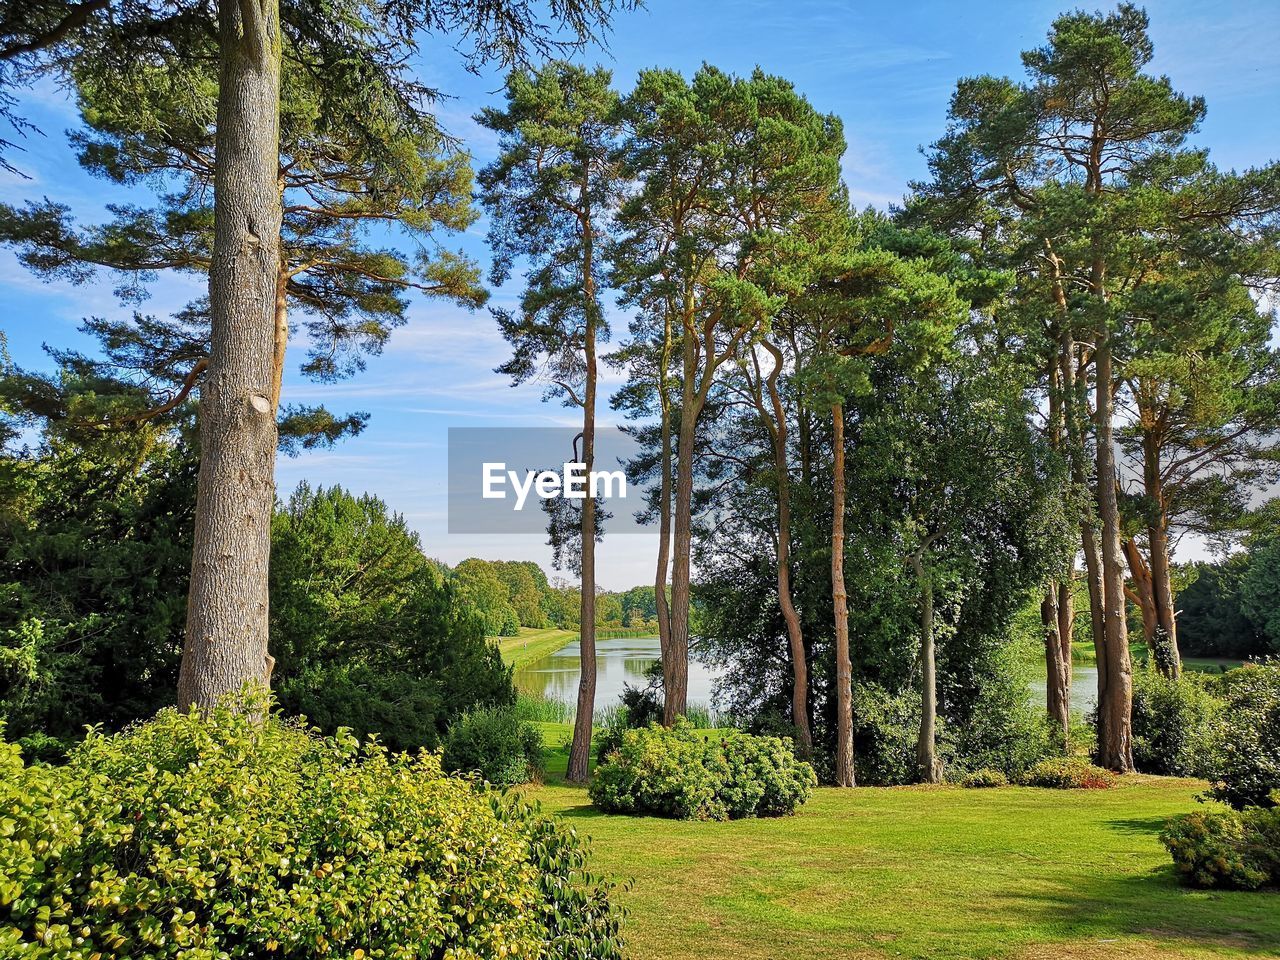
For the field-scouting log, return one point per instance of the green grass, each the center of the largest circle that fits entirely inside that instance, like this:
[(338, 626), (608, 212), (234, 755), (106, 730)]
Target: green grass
[(531, 644), (1084, 654), (919, 872)]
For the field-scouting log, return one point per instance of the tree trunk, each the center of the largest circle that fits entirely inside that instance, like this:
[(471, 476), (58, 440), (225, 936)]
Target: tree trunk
[(664, 506), (1141, 594), (226, 635), (1116, 749), (927, 745), (782, 556), (845, 776), (1066, 626), (1165, 642), (1057, 669), (579, 768), (676, 678)]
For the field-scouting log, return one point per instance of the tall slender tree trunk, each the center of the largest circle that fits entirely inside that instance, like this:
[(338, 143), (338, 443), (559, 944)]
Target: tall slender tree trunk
[(775, 416), (662, 608), (226, 635), (676, 679), (1116, 748), (845, 776), (927, 745), (579, 767), (1165, 642), (1141, 594), (1057, 669)]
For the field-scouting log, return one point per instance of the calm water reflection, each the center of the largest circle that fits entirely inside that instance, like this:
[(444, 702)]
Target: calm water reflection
[(619, 661), (624, 660), (1084, 689)]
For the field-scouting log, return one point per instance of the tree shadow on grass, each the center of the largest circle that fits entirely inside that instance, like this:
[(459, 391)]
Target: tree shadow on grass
[(1155, 906), (1142, 825)]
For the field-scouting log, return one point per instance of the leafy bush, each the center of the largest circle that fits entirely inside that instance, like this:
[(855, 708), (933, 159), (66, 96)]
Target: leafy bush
[(985, 777), (1170, 720), (224, 837), (1242, 746), (886, 728), (1238, 850), (1068, 773), (496, 744), (679, 773)]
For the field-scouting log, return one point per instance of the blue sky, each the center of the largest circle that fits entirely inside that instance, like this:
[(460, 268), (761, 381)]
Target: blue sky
[(887, 69)]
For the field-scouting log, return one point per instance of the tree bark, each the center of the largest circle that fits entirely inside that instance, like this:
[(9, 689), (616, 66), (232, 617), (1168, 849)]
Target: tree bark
[(579, 768), (1141, 594), (845, 776), (1165, 641), (676, 679), (1057, 670), (927, 746), (1116, 749), (775, 418), (663, 609), (226, 634)]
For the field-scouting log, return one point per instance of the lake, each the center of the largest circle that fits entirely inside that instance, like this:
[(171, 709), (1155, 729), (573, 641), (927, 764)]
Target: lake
[(624, 660), (619, 661)]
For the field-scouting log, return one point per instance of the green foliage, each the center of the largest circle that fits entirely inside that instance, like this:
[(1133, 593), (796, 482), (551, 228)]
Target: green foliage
[(679, 773), (1260, 590), (365, 631), (1233, 850), (1068, 773), (495, 743), (95, 550), (984, 778), (1211, 617), (1242, 745), (1170, 720), (226, 836), (886, 726)]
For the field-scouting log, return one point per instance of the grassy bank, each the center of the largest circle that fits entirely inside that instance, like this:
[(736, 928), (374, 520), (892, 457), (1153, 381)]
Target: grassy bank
[(1084, 655), (531, 644), (921, 872)]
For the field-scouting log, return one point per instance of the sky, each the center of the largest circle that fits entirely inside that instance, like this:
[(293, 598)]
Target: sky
[(886, 69)]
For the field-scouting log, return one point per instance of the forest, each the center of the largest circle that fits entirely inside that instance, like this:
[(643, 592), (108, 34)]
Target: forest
[(961, 637)]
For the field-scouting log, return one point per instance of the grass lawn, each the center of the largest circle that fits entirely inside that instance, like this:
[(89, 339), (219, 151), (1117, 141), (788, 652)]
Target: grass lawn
[(530, 644), (1084, 654), (928, 872)]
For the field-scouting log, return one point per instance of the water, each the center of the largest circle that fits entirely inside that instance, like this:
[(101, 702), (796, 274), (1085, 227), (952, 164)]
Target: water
[(619, 661), (1084, 689), (624, 660)]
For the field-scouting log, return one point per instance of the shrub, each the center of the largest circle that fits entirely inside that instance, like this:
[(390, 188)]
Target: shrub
[(1068, 773), (886, 727), (1170, 721), (985, 777), (496, 744), (188, 837), (679, 773), (1242, 747), (1238, 850)]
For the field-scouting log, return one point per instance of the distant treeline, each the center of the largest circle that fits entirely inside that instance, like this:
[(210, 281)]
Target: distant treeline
[(510, 594)]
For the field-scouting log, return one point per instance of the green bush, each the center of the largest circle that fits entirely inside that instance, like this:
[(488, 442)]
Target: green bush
[(984, 778), (1068, 773), (1237, 850), (1242, 747), (496, 744), (1170, 721), (228, 838), (680, 773), (886, 728)]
